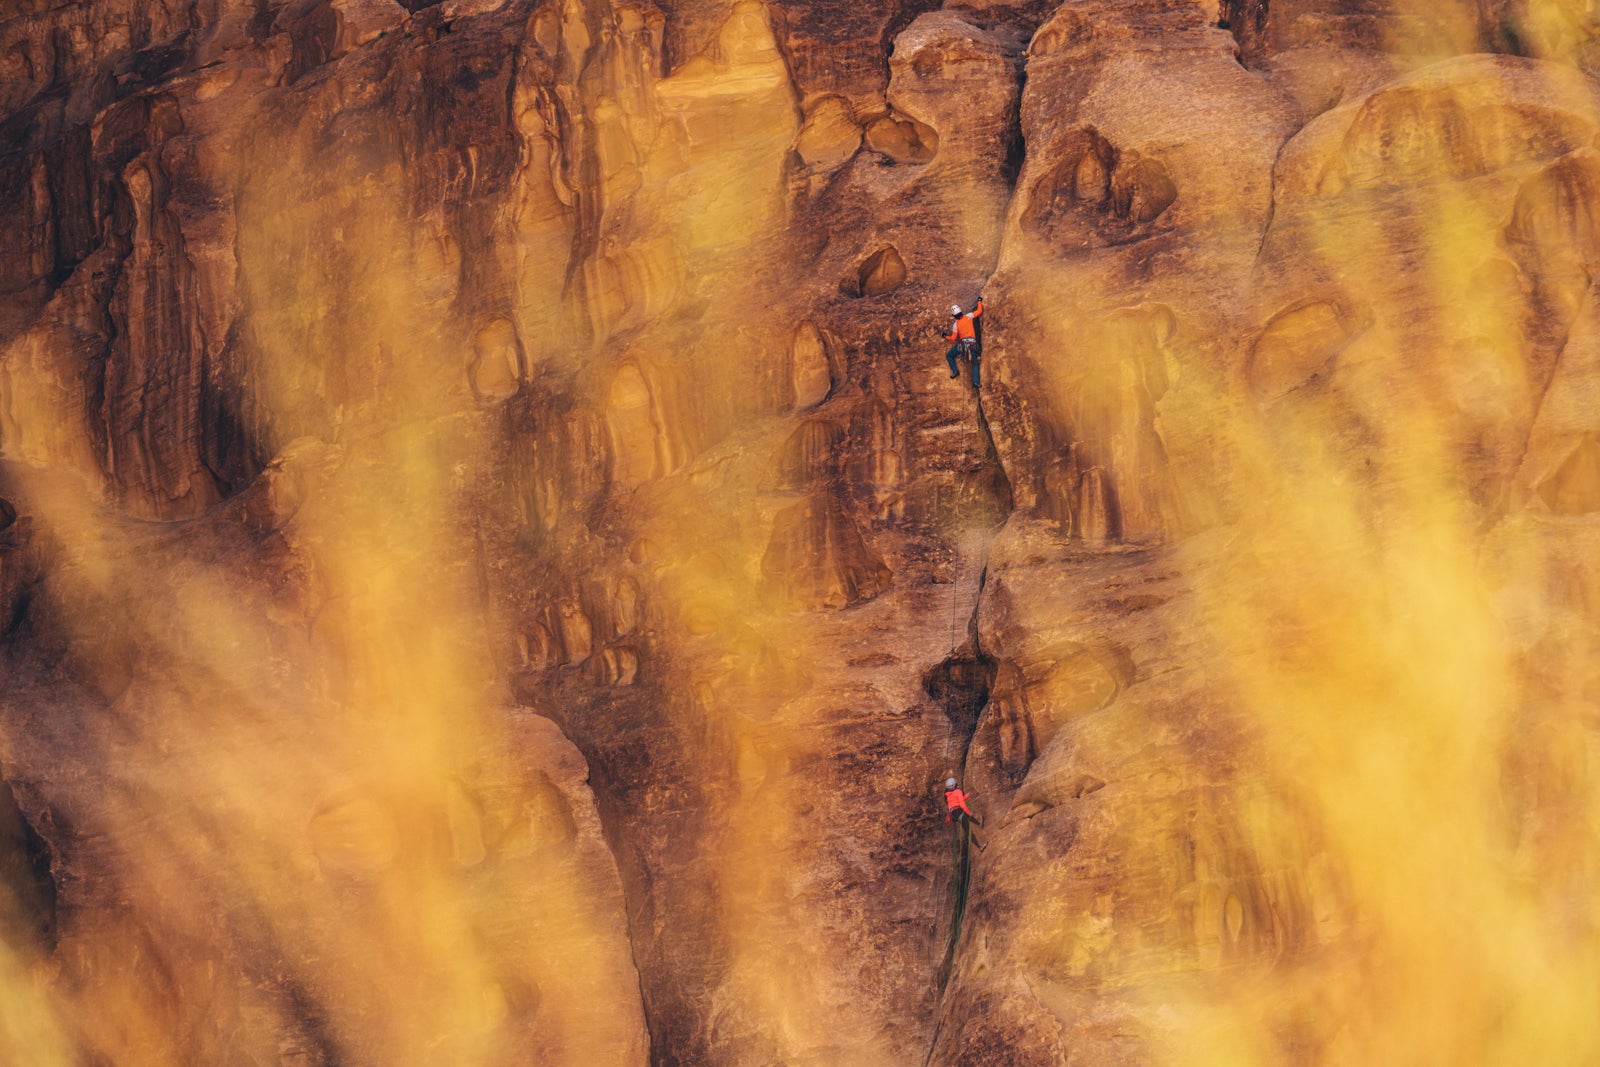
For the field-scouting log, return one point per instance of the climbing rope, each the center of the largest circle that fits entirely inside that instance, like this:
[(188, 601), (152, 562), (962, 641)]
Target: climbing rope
[(955, 594), (960, 877)]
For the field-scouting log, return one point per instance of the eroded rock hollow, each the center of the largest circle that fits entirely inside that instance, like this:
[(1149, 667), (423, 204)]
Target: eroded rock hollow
[(494, 568)]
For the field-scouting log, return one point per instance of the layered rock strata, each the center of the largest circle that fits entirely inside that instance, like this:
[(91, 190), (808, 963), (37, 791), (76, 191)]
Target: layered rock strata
[(493, 567)]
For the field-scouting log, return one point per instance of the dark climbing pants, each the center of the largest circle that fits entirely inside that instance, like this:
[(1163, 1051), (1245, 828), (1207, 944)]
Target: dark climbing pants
[(969, 349)]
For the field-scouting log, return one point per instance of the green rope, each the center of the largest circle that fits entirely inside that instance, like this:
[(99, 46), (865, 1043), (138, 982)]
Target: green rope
[(960, 876)]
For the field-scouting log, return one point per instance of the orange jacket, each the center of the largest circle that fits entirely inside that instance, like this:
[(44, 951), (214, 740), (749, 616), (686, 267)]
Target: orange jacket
[(962, 328), (955, 799)]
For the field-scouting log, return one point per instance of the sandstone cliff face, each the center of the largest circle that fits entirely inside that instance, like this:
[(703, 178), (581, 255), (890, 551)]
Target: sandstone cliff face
[(493, 567)]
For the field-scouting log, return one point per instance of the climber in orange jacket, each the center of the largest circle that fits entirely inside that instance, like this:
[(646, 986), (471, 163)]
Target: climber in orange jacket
[(956, 808), (964, 334)]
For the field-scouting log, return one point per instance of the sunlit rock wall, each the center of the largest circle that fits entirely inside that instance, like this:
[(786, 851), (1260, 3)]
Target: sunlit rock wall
[(494, 568)]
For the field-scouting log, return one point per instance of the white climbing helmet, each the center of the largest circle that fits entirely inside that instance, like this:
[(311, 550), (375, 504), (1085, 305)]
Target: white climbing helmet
[(949, 783), (955, 309)]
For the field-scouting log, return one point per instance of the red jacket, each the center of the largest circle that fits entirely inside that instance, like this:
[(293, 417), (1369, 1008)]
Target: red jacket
[(955, 799), (963, 328)]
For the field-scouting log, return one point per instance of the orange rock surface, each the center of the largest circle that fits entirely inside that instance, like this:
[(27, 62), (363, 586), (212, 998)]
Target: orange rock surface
[(494, 568)]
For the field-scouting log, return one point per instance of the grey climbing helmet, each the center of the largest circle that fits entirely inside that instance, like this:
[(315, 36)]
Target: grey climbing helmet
[(949, 783)]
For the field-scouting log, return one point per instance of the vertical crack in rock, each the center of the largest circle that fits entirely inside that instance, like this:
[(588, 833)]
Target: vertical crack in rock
[(960, 686), (27, 882), (313, 1042), (961, 683), (1247, 21), (1016, 144), (717, 546), (20, 568), (999, 481), (646, 794)]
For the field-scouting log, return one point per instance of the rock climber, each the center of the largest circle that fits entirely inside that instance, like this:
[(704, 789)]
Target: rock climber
[(964, 333), (956, 808)]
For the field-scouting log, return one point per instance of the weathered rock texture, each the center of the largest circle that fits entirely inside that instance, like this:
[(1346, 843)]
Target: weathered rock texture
[(493, 568)]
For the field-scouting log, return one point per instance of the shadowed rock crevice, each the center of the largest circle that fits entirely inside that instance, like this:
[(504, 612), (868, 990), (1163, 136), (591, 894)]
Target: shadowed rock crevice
[(1562, 30), (615, 281), (313, 1041), (996, 490), (313, 30), (647, 794), (20, 567), (960, 686), (27, 886), (1247, 21), (1016, 143)]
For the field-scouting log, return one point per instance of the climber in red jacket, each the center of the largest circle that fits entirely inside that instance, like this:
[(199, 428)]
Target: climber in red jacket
[(956, 808), (964, 334)]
